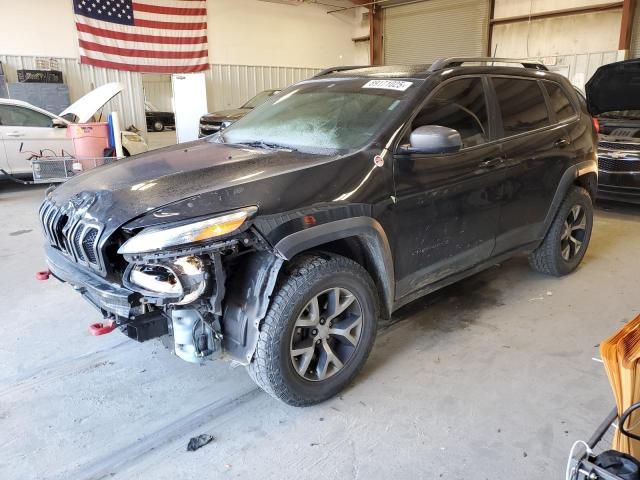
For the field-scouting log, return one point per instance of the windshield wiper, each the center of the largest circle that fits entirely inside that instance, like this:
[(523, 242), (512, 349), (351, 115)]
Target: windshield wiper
[(267, 146)]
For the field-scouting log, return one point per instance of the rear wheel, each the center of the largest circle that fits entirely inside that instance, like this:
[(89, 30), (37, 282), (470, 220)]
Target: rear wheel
[(318, 331), (158, 126), (568, 237)]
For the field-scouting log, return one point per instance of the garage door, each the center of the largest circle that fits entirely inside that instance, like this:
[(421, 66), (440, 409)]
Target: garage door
[(421, 32), (635, 35)]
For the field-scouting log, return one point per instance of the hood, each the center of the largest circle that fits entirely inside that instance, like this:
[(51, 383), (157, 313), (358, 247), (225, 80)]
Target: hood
[(615, 86), (84, 108), (188, 180), (233, 114)]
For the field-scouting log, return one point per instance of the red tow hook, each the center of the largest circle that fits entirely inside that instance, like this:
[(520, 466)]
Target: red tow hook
[(102, 328), (43, 275)]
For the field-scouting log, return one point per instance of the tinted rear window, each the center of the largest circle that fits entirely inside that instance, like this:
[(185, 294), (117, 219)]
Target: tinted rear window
[(522, 105), (560, 103)]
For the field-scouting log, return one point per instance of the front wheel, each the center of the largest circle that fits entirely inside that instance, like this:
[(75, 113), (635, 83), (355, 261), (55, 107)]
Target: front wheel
[(318, 331), (568, 237), (158, 126)]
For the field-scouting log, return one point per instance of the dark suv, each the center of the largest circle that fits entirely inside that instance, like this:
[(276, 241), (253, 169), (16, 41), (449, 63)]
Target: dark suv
[(279, 242)]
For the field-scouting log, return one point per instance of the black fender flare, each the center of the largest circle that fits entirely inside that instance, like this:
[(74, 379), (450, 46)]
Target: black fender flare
[(568, 178), (251, 285), (366, 229)]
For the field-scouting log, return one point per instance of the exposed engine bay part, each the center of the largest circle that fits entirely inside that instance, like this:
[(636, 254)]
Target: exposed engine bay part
[(147, 326), (194, 337), (177, 281)]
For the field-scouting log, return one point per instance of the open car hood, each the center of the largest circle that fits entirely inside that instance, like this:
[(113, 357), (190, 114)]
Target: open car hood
[(85, 107), (615, 86)]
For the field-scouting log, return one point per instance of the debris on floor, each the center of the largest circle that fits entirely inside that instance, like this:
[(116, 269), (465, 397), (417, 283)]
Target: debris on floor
[(198, 442)]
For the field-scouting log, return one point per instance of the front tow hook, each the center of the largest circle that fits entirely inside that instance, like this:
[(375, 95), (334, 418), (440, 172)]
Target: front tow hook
[(100, 328), (43, 275)]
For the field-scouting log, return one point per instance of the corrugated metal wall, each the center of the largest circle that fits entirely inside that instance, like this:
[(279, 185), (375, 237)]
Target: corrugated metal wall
[(158, 91), (579, 68), (228, 86), (84, 78), (423, 31)]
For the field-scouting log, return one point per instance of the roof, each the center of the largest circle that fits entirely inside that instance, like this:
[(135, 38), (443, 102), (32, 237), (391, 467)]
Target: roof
[(421, 71)]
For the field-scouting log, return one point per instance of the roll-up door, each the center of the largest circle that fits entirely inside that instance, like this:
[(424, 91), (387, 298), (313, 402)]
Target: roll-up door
[(635, 34), (421, 32)]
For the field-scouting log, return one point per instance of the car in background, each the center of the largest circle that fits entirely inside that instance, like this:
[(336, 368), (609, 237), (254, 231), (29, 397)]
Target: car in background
[(157, 121), (214, 122), (27, 131), (613, 96)]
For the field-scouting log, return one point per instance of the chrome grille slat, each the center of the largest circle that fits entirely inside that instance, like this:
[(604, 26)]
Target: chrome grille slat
[(76, 243), (48, 224)]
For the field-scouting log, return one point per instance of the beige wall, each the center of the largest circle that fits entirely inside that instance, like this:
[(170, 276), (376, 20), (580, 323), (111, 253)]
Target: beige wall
[(246, 32), (37, 27), (566, 35), (516, 8)]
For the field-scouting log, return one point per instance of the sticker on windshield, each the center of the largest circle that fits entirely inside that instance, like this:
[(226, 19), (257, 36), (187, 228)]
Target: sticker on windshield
[(388, 84)]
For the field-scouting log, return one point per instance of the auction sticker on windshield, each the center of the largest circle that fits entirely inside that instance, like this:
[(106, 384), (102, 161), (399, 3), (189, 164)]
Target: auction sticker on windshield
[(388, 84)]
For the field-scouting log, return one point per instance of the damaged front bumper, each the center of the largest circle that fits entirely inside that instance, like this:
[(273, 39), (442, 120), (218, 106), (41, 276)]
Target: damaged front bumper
[(196, 335), (107, 297)]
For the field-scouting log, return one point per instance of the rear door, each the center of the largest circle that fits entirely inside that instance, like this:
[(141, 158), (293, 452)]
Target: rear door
[(536, 148), (28, 133), (446, 209)]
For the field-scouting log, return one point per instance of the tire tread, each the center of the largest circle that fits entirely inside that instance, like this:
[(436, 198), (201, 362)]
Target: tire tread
[(263, 369)]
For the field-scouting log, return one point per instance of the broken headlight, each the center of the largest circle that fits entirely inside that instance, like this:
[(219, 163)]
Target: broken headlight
[(179, 281), (153, 239)]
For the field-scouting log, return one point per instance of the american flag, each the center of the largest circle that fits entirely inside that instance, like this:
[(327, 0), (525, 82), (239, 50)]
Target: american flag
[(154, 36)]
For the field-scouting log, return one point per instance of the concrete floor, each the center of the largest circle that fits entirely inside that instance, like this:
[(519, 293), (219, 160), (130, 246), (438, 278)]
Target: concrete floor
[(493, 376), (161, 139)]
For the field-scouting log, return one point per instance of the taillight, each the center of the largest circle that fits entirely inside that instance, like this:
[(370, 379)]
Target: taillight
[(596, 124)]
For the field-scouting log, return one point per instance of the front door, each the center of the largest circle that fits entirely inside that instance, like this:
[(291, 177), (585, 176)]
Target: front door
[(447, 206), (28, 133)]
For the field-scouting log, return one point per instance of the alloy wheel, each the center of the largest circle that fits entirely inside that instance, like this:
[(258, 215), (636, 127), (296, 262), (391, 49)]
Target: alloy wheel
[(573, 233), (326, 334)]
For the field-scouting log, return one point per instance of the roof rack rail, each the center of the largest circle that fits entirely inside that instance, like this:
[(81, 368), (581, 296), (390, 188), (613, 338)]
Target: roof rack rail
[(458, 61), (329, 71)]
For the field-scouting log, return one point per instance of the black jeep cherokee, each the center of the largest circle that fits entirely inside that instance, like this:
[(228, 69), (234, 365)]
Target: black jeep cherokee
[(279, 242)]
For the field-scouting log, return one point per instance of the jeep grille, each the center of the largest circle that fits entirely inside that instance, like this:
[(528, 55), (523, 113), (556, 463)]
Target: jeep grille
[(76, 238)]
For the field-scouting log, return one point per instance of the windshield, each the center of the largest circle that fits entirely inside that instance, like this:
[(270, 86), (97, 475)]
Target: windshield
[(259, 99), (322, 115)]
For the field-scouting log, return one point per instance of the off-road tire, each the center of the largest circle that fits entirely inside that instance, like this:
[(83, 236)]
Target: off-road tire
[(308, 275), (547, 258)]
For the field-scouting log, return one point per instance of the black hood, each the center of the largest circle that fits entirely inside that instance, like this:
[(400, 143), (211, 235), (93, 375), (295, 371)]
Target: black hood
[(189, 180), (615, 86), (223, 115)]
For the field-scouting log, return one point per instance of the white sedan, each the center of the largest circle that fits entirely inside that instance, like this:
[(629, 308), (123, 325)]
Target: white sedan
[(26, 129)]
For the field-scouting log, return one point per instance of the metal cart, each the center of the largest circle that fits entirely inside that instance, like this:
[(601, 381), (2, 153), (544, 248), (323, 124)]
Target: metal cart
[(60, 169), (580, 465)]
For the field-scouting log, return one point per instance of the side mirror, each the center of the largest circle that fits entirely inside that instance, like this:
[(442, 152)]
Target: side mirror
[(434, 139), (57, 123)]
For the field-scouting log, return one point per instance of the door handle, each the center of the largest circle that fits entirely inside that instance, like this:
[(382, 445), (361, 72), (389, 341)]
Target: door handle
[(15, 134), (563, 142), (491, 162)]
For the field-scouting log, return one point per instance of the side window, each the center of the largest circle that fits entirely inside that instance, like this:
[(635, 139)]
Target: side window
[(460, 105), (14, 116), (522, 105), (560, 103)]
